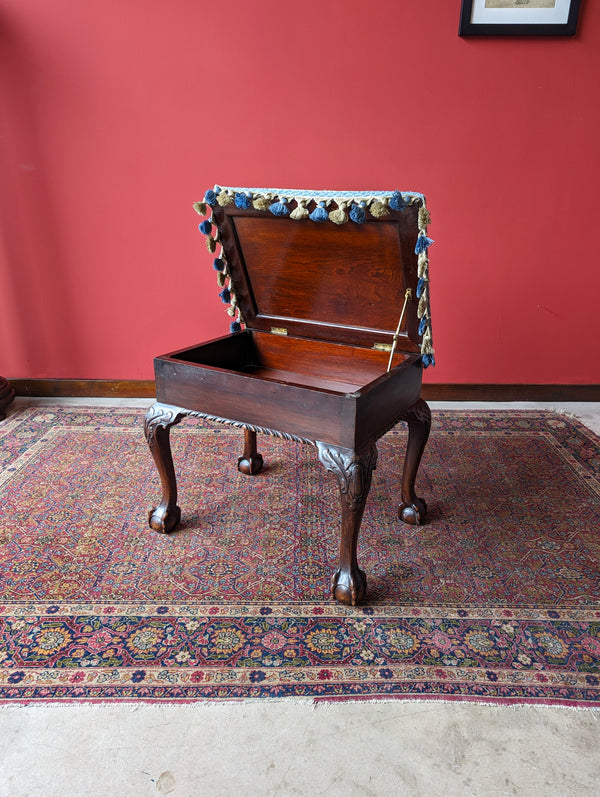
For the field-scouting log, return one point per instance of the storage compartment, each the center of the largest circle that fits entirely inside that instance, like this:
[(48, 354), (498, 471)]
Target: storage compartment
[(294, 361)]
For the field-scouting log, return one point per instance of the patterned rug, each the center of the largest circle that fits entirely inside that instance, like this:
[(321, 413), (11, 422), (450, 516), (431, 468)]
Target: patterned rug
[(496, 598)]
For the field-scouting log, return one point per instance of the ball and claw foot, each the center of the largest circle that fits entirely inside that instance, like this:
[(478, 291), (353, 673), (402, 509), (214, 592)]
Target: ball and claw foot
[(251, 462), (163, 519), (347, 589), (414, 514), (250, 466)]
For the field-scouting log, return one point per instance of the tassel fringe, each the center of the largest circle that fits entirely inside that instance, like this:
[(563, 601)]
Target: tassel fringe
[(224, 198), (242, 200), (279, 208), (424, 218), (319, 213), (339, 216), (397, 201), (378, 210), (345, 208), (357, 213), (300, 211), (260, 203)]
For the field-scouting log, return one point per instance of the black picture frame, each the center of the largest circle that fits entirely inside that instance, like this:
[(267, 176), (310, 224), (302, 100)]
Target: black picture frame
[(468, 28)]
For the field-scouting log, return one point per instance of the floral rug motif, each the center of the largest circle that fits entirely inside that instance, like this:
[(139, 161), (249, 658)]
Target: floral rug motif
[(496, 598)]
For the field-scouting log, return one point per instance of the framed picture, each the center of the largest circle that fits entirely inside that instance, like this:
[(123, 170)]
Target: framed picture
[(518, 17)]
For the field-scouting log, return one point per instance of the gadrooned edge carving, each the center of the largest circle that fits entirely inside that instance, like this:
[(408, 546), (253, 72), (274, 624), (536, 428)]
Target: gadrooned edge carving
[(168, 415)]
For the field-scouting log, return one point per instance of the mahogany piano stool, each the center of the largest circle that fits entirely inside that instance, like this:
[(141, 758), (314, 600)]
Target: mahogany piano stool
[(316, 283)]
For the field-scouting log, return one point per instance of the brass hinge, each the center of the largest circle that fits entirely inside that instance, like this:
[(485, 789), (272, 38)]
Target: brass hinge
[(382, 346), (278, 331)]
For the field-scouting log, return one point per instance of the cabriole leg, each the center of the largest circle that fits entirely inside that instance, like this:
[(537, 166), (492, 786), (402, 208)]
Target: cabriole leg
[(353, 470), (251, 462), (418, 417), (159, 420)]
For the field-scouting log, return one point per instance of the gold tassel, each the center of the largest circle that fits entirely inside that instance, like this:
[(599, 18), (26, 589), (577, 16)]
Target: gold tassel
[(301, 211), (224, 199), (221, 279), (422, 308), (261, 203), (426, 346), (211, 244), (424, 218), (339, 216), (378, 209), (422, 264), (200, 207)]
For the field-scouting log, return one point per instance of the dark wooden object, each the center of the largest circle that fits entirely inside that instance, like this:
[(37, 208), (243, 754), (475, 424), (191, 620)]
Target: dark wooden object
[(7, 395), (319, 302)]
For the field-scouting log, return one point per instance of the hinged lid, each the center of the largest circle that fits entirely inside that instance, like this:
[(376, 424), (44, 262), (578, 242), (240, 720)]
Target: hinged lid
[(324, 265)]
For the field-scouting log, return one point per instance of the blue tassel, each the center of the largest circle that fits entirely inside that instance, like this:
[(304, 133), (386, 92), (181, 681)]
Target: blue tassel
[(420, 286), (319, 213), (210, 197), (279, 209), (423, 244), (423, 325), (236, 327), (427, 360), (218, 264), (357, 213), (397, 201), (225, 295), (242, 200), (205, 227)]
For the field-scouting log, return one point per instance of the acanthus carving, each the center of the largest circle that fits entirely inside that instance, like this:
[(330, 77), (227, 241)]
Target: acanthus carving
[(161, 416), (353, 470), (418, 412)]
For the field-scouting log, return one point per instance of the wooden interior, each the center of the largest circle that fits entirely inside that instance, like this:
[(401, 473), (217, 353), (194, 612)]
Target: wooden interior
[(366, 259), (299, 361), (342, 283)]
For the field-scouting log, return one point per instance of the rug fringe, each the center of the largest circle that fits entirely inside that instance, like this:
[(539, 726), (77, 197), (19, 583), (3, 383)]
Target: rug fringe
[(312, 703), (504, 703)]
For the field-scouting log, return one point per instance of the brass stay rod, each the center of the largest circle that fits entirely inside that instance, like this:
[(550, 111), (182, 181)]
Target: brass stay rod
[(407, 297)]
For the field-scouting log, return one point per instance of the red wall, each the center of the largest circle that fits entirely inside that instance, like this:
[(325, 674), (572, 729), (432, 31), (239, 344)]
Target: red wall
[(117, 116)]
